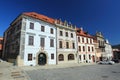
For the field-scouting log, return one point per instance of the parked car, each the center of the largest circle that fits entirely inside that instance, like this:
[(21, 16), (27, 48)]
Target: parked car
[(1, 60), (116, 60), (106, 62)]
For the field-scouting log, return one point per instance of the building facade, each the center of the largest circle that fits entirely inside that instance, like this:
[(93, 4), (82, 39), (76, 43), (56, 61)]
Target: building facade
[(66, 42), (108, 51), (101, 41), (34, 39), (116, 54), (97, 50), (1, 46), (86, 48), (31, 40)]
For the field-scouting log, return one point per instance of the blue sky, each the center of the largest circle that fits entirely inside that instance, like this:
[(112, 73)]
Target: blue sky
[(92, 15)]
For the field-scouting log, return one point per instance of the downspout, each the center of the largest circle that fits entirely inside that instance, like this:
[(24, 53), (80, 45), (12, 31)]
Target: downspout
[(56, 47)]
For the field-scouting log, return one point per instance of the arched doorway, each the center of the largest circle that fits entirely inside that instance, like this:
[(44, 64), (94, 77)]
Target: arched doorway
[(42, 59)]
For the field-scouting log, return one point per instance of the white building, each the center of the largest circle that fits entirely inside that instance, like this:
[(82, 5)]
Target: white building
[(86, 48), (108, 51), (31, 37)]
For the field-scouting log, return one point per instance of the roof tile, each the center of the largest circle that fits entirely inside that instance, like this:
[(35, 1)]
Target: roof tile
[(40, 17)]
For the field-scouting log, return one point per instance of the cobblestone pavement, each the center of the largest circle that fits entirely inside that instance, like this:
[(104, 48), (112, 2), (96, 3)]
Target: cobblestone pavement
[(10, 72), (84, 72)]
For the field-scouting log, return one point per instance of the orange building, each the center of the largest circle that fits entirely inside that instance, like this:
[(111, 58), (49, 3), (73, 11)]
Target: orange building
[(1, 43)]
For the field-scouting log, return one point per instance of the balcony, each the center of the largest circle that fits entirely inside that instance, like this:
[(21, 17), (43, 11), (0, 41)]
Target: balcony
[(101, 46)]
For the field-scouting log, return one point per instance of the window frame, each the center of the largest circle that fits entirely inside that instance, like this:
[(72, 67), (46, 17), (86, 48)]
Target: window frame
[(51, 42), (80, 48), (31, 40), (67, 45), (73, 45), (61, 33), (66, 34), (71, 57), (61, 57), (83, 48), (51, 30), (52, 55), (60, 44), (30, 56), (71, 35), (31, 25), (42, 28), (42, 42)]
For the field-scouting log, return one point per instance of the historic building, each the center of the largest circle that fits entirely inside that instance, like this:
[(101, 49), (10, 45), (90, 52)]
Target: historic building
[(116, 54), (97, 50), (34, 39), (1, 46), (108, 51), (101, 43), (31, 40), (66, 42), (86, 48), (104, 49)]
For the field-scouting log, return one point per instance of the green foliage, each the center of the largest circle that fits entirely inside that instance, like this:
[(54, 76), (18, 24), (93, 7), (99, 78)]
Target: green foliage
[(116, 46)]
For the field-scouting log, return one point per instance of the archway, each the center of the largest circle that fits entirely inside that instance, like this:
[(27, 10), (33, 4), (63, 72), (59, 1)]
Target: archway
[(42, 59)]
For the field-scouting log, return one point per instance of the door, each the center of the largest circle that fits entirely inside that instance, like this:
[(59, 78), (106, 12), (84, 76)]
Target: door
[(93, 58), (41, 59)]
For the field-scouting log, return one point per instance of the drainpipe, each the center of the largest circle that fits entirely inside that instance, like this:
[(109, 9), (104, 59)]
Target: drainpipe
[(56, 47)]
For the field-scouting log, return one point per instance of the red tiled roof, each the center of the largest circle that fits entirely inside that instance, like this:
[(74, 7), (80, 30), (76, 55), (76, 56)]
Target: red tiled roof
[(80, 32), (40, 17)]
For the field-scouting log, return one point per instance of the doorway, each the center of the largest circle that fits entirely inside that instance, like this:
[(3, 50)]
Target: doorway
[(41, 59)]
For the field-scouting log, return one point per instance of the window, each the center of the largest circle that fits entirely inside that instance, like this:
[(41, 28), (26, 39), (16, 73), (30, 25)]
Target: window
[(67, 45), (43, 28), (78, 39), (79, 48), (99, 42), (73, 44), (70, 57), (90, 40), (61, 57), (83, 48), (1, 41), (52, 56), (51, 42), (31, 40), (80, 57), (42, 42), (29, 57), (66, 34), (61, 33), (51, 31), (88, 48), (31, 25), (84, 57), (71, 35), (92, 49), (87, 40), (83, 40), (89, 56), (60, 44)]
